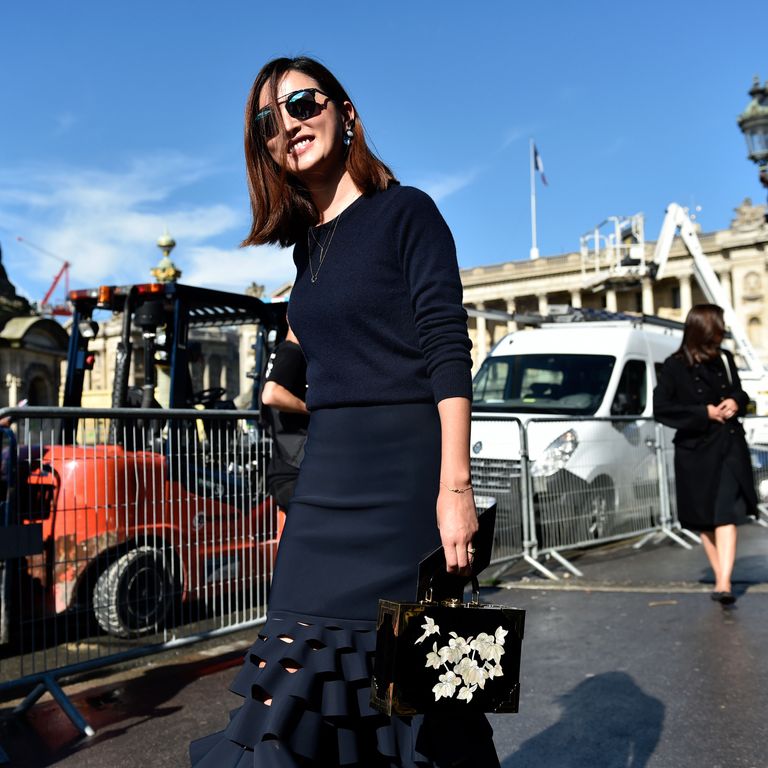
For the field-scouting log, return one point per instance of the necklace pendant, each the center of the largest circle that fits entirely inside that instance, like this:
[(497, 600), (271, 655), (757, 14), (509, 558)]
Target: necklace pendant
[(314, 279)]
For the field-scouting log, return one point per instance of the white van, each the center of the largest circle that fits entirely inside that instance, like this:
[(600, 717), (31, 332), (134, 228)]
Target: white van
[(591, 479)]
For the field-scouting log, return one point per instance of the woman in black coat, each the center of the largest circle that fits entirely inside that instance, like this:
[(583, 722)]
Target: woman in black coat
[(699, 394)]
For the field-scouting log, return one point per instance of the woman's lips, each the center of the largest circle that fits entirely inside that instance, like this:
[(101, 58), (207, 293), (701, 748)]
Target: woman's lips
[(300, 146)]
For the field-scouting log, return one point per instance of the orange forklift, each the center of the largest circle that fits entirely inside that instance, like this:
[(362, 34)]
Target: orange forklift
[(143, 512)]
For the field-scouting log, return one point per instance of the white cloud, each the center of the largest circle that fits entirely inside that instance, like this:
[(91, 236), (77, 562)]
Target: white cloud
[(513, 136), (106, 224), (236, 269), (441, 186)]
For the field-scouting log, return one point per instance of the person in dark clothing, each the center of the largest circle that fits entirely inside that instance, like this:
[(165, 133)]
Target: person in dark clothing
[(284, 395), (377, 308), (699, 394)]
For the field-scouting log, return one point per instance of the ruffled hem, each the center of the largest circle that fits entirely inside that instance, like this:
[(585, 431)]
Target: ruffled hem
[(320, 714)]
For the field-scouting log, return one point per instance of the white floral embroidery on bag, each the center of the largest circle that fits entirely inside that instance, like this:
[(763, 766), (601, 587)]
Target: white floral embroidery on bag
[(468, 663)]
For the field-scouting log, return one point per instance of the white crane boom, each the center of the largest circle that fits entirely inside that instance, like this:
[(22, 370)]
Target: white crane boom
[(676, 218)]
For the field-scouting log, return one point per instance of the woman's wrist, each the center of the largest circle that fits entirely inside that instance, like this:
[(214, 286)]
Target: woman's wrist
[(463, 487)]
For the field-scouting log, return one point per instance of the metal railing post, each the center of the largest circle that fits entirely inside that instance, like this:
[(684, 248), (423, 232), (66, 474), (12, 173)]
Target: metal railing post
[(530, 537)]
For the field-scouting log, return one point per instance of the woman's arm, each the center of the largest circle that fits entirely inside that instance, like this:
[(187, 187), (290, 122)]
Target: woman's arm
[(277, 396), (670, 406), (428, 257), (286, 367), (456, 513)]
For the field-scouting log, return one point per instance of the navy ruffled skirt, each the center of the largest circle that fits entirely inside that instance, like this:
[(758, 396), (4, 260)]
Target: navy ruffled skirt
[(362, 518)]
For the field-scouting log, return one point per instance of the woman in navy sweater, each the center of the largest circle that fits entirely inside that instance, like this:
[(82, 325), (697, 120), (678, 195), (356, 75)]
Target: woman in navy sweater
[(376, 306)]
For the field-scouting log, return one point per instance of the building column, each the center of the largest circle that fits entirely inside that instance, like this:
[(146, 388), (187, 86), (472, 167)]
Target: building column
[(543, 304), (725, 281), (648, 307), (686, 298), (611, 304), (12, 383), (576, 299), (482, 341), (511, 309)]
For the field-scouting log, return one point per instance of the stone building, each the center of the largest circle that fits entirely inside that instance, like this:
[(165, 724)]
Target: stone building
[(31, 350), (738, 255)]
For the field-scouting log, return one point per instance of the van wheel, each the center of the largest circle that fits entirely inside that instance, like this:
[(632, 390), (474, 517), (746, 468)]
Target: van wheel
[(600, 506), (134, 595)]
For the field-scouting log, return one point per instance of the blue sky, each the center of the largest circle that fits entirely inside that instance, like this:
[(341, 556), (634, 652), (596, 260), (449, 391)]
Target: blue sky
[(119, 119)]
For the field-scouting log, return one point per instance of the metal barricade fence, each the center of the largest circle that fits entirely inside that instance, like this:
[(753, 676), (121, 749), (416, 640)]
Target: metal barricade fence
[(567, 483), (503, 476), (756, 430), (594, 480), (155, 530)]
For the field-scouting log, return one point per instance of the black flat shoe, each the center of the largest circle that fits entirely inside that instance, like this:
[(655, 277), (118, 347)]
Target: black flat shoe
[(716, 596), (727, 598)]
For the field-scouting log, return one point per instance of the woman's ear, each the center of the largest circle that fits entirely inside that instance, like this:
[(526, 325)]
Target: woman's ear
[(348, 114)]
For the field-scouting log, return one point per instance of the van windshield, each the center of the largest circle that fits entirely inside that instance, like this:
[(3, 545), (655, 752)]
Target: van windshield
[(573, 384)]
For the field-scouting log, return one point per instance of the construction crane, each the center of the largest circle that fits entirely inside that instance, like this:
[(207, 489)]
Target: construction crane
[(619, 258), (45, 307), (676, 221)]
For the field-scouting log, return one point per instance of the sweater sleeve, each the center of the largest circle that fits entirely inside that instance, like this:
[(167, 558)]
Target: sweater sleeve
[(428, 256), (668, 408)]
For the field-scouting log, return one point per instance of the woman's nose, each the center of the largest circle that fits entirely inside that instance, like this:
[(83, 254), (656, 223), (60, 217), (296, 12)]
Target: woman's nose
[(291, 124)]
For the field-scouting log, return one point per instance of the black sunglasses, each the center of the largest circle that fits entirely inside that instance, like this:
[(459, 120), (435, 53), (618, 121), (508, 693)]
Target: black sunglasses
[(300, 105)]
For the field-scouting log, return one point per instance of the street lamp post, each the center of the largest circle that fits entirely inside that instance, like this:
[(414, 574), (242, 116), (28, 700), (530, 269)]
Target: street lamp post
[(753, 122)]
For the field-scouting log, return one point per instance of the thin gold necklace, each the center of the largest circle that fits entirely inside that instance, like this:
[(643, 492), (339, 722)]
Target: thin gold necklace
[(324, 246)]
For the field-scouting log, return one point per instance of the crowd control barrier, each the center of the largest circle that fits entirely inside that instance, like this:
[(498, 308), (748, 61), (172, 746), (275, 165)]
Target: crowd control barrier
[(567, 483), (126, 532)]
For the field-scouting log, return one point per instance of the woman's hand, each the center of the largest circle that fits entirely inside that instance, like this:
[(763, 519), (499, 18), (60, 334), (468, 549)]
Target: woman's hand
[(457, 521), (715, 414), (729, 408)]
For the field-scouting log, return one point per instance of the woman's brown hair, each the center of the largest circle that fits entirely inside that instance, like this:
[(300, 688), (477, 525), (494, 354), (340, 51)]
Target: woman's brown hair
[(281, 207), (703, 334)]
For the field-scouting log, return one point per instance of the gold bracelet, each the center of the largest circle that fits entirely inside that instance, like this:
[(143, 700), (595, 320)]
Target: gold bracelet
[(456, 490)]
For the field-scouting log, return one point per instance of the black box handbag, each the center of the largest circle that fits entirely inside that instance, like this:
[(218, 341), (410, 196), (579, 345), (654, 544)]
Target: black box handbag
[(442, 654)]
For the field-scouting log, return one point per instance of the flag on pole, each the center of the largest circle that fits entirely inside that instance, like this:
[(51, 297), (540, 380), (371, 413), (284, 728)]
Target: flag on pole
[(539, 165)]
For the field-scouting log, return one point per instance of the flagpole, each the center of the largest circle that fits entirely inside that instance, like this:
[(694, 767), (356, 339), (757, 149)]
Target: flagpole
[(534, 253)]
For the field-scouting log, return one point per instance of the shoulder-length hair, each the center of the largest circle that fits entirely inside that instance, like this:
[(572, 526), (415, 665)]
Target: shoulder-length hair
[(703, 334), (281, 207)]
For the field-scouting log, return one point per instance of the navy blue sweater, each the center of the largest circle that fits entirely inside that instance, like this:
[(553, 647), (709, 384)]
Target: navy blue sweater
[(384, 322)]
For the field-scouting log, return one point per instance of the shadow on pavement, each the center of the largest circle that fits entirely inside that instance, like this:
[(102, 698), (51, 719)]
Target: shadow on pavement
[(46, 736), (607, 721), (748, 570)]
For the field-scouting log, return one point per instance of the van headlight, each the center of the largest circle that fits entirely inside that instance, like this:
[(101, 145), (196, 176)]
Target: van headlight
[(556, 455)]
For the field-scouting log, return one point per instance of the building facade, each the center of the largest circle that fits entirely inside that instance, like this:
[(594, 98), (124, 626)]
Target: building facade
[(738, 256), (31, 350)]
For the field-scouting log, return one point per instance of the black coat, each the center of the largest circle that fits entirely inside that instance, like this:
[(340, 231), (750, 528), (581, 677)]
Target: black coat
[(680, 401)]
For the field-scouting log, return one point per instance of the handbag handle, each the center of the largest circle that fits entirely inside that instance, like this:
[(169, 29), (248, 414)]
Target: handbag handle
[(453, 602)]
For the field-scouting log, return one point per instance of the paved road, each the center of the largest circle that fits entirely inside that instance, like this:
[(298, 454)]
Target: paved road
[(631, 665)]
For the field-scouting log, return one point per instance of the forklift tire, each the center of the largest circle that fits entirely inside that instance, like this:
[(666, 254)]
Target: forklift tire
[(134, 596)]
